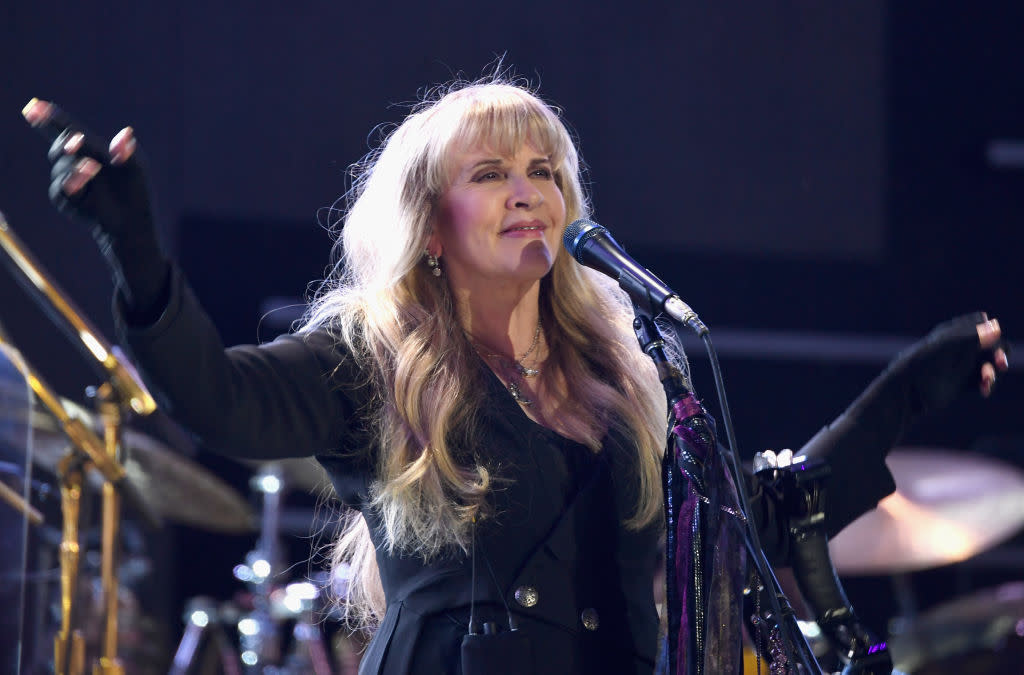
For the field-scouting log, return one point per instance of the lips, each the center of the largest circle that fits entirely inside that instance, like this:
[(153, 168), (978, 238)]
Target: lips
[(525, 227)]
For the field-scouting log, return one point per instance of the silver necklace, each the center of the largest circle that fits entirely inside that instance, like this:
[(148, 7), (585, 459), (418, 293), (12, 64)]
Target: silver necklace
[(521, 369)]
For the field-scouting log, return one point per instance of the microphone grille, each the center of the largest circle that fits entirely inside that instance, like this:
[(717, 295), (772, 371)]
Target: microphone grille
[(577, 232)]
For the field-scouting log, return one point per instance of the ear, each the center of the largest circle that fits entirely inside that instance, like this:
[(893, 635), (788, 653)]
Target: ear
[(434, 246)]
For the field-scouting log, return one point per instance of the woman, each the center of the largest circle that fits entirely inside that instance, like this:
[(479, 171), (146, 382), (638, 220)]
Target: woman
[(475, 394)]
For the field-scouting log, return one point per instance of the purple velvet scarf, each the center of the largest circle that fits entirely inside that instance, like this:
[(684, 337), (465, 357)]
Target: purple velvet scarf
[(714, 512)]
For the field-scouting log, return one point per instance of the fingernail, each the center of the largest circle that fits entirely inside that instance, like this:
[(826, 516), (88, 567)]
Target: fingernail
[(74, 143), (126, 151), (89, 168), (120, 134), (85, 170), (35, 111)]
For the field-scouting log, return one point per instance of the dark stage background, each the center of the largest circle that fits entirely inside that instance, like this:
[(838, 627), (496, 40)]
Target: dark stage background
[(812, 177)]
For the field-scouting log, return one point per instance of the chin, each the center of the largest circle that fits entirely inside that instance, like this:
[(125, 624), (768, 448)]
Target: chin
[(533, 267)]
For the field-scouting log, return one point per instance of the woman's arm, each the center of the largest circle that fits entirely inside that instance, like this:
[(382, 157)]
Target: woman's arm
[(289, 398)]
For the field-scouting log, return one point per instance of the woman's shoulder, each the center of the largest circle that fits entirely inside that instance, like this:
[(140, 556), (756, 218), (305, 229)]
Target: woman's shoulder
[(336, 359)]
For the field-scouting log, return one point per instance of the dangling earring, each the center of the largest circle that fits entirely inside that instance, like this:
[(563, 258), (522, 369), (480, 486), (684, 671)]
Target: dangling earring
[(433, 264)]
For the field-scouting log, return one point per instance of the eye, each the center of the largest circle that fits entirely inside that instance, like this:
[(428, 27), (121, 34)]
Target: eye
[(544, 172), (487, 176)]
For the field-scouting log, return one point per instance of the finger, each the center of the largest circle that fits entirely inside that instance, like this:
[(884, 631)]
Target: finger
[(47, 118), (65, 135), (1002, 361), (122, 146), (85, 170), (36, 112), (988, 378), (989, 333), (63, 167), (75, 142)]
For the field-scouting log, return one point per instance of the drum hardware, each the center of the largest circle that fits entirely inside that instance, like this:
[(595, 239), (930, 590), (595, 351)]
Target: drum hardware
[(308, 655), (270, 604), (15, 500), (302, 473), (948, 506), (171, 485), (259, 630), (202, 617), (800, 488), (122, 391), (43, 491), (982, 633), (19, 503), (86, 451)]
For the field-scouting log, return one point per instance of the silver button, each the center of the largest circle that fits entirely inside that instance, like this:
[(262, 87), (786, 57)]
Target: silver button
[(590, 619), (527, 596)]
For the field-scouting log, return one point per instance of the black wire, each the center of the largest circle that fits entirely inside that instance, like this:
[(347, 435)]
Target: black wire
[(472, 576), (508, 610), (734, 468)]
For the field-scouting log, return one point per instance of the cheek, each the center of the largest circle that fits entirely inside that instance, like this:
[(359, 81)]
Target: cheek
[(462, 215), (557, 201), (460, 222)]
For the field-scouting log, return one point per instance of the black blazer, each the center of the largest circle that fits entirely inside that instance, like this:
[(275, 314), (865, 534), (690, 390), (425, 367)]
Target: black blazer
[(579, 585)]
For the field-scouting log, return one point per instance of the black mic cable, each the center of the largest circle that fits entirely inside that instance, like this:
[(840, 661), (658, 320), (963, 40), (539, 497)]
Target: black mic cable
[(593, 246)]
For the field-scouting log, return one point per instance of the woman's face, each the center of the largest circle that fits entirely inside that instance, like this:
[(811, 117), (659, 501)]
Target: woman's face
[(501, 218)]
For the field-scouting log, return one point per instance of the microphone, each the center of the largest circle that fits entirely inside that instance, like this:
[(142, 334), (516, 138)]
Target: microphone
[(593, 246)]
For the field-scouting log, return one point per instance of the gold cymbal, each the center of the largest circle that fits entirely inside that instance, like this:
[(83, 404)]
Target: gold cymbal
[(948, 506), (173, 486), (303, 473)]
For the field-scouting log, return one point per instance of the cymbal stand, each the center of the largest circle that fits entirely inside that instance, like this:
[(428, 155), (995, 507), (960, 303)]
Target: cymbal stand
[(122, 391), (308, 654), (69, 645), (202, 617), (259, 639), (109, 408), (86, 451)]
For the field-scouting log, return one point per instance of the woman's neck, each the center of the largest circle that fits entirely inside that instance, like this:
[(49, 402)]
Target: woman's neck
[(501, 322)]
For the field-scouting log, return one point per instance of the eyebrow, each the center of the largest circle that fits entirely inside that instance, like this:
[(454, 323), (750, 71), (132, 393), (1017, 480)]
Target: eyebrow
[(497, 161)]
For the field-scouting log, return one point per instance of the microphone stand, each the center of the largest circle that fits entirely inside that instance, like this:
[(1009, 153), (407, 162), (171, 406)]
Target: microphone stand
[(782, 613), (122, 391)]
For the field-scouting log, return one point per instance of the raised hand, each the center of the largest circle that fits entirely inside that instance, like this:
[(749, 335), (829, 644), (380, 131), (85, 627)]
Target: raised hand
[(990, 340), (107, 188), (955, 358)]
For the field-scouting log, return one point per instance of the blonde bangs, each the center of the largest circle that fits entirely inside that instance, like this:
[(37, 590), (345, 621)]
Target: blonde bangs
[(498, 117)]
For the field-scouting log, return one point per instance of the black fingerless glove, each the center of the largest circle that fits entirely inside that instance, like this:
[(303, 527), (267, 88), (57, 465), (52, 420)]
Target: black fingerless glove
[(924, 378), (116, 204)]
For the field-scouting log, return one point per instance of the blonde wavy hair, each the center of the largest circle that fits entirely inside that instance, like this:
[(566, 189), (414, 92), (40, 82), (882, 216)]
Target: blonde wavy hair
[(399, 322)]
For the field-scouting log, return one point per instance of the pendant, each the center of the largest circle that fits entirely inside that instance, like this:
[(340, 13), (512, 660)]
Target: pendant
[(526, 372), (517, 395)]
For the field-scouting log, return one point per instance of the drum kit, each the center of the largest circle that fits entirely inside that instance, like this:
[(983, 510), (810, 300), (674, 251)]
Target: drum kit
[(86, 453), (948, 507), (176, 489)]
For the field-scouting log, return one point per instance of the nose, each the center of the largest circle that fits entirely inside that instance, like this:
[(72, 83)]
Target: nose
[(524, 194)]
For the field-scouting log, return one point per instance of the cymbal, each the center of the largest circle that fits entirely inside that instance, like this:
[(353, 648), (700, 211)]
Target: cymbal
[(948, 506), (173, 486), (987, 623), (303, 473)]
